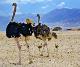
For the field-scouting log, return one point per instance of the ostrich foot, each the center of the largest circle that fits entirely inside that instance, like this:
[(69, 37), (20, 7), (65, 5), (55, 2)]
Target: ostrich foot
[(30, 62)]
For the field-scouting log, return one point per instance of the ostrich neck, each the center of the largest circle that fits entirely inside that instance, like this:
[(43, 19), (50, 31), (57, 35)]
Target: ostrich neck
[(38, 20), (14, 12)]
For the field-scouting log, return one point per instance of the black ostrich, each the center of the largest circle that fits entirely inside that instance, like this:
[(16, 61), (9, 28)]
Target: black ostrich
[(42, 32), (15, 30), (26, 30), (12, 31)]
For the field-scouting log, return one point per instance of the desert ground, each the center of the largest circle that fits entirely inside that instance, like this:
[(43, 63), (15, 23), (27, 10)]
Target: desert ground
[(66, 55)]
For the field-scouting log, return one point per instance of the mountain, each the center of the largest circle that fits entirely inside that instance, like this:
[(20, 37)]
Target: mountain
[(63, 17), (58, 17)]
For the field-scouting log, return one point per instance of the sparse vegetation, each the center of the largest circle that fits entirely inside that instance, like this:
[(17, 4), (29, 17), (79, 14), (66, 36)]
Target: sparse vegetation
[(69, 29), (57, 29), (79, 29)]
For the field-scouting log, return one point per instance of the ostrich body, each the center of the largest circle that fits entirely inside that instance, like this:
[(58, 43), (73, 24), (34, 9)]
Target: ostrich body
[(15, 30)]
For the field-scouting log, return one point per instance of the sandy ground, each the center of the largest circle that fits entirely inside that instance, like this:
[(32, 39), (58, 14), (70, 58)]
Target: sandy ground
[(66, 55)]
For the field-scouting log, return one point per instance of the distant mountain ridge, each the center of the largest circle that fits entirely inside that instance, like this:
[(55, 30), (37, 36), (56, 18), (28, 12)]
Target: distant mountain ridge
[(64, 17), (63, 14)]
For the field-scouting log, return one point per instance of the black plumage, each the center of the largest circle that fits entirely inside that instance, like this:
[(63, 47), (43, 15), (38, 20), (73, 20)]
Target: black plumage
[(12, 30), (16, 29), (43, 30), (26, 29)]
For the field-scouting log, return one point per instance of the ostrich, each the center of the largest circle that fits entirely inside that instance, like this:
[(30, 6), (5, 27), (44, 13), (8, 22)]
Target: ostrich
[(12, 31), (15, 30), (26, 30), (42, 32)]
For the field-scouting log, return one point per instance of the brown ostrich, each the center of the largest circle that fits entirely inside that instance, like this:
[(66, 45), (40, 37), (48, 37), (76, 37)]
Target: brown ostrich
[(42, 32)]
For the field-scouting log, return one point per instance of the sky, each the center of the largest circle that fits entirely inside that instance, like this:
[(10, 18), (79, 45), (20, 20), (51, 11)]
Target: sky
[(36, 6)]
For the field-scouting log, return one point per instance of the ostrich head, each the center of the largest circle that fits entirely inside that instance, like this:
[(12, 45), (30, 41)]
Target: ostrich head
[(14, 4), (14, 7), (28, 21)]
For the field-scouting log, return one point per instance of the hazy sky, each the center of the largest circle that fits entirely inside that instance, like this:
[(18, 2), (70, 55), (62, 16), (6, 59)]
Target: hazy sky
[(36, 6)]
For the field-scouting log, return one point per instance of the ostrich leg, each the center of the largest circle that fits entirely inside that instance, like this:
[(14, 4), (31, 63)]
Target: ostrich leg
[(19, 47), (26, 39), (45, 45)]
